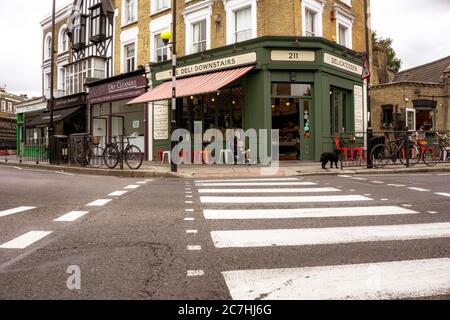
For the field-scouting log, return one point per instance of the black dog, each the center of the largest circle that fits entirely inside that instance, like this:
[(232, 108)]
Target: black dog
[(332, 157)]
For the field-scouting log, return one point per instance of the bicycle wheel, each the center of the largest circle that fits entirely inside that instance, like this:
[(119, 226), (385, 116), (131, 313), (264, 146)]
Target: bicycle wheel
[(414, 156), (133, 157), (95, 157), (111, 156), (380, 156)]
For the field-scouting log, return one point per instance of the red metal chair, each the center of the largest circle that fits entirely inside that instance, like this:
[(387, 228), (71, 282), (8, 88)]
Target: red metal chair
[(345, 150)]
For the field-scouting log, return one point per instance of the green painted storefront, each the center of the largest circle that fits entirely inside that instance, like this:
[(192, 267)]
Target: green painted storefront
[(331, 74)]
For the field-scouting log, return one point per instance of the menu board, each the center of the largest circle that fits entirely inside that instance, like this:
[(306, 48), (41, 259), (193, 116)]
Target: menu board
[(161, 122), (359, 109)]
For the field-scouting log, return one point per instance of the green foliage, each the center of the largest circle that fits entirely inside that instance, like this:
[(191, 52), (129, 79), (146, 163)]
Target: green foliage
[(393, 62)]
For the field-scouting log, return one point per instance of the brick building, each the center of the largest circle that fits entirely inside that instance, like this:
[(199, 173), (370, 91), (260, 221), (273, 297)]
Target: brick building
[(8, 123), (415, 97)]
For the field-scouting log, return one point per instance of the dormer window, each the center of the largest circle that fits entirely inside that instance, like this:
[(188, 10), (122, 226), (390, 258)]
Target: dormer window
[(98, 24), (79, 33)]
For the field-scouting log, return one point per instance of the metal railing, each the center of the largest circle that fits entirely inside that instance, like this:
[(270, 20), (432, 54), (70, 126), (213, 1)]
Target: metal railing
[(34, 150), (403, 146)]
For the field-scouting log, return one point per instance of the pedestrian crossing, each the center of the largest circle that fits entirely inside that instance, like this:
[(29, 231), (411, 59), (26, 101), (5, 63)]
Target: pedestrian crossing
[(262, 202)]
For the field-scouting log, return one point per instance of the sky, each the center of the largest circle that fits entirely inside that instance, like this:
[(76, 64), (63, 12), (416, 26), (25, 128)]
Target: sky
[(419, 28)]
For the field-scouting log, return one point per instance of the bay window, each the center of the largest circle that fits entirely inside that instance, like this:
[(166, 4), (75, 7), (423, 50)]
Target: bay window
[(98, 24)]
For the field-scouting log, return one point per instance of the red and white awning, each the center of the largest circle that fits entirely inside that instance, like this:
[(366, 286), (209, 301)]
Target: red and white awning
[(192, 86)]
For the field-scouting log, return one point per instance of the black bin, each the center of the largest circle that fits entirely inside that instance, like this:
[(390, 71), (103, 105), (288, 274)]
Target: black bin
[(58, 149)]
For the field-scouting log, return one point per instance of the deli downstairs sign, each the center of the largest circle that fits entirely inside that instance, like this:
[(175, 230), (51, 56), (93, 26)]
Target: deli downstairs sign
[(209, 66), (118, 90)]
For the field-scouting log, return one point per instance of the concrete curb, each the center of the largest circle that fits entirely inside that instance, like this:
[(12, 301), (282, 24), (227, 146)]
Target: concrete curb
[(168, 174)]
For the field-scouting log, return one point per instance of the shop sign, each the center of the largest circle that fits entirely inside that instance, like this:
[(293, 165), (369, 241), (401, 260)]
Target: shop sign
[(118, 90), (71, 101), (289, 55), (161, 122), (359, 109), (32, 107), (210, 66), (342, 64)]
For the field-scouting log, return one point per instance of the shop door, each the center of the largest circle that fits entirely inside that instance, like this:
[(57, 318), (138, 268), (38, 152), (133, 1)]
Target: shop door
[(338, 112), (306, 130)]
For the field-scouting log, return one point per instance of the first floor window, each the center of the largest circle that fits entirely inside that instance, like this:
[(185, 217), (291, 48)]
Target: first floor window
[(343, 31), (130, 60), (162, 50), (130, 11), (199, 36), (3, 109), (310, 29), (10, 106), (161, 4), (243, 27)]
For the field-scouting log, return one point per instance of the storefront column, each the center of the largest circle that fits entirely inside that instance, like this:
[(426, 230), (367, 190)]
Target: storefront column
[(257, 109), (321, 114)]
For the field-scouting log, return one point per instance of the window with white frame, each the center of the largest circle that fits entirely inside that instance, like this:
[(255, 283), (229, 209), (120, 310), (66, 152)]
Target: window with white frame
[(197, 18), (347, 2), (198, 36), (243, 27), (161, 5), (129, 11), (61, 78), (3, 109), (77, 73), (241, 20), (344, 25), (48, 46), (129, 51), (10, 106), (161, 49), (63, 40), (312, 23)]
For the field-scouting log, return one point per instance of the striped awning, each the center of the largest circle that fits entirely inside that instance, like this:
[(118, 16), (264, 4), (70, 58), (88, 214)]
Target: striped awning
[(192, 86)]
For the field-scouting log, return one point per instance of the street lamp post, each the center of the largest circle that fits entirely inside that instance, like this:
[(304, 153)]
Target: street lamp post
[(51, 129), (166, 36), (369, 115)]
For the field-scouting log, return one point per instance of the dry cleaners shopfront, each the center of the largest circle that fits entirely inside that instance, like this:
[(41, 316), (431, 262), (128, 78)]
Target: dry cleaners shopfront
[(310, 89)]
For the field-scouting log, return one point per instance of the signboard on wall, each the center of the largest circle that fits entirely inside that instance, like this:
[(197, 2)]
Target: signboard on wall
[(296, 55), (342, 64), (161, 122), (118, 90), (359, 108)]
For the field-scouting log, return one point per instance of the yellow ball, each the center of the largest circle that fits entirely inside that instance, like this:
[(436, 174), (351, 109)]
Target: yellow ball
[(166, 35)]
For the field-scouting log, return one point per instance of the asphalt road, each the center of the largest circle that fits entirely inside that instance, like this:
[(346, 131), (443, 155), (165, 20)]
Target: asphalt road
[(383, 236)]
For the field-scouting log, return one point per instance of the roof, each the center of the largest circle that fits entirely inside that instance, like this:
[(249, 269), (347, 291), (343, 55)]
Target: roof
[(431, 72)]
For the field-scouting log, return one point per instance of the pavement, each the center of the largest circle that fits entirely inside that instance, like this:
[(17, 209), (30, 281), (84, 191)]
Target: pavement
[(381, 236), (286, 169)]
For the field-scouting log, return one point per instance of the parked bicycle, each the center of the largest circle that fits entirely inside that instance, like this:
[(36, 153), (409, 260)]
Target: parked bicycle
[(132, 155), (89, 153), (402, 149), (439, 151)]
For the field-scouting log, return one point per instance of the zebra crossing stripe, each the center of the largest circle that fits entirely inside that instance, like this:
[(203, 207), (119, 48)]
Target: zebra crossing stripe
[(323, 236), (71, 216), (255, 184), (247, 180), (25, 240), (9, 212), (385, 280), (278, 190), (443, 194), (299, 199), (305, 213)]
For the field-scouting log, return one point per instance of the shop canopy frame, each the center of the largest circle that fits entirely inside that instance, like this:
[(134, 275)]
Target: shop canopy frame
[(58, 115), (193, 86)]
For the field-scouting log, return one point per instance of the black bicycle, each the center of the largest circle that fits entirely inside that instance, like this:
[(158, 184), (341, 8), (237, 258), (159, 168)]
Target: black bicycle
[(89, 152), (132, 155)]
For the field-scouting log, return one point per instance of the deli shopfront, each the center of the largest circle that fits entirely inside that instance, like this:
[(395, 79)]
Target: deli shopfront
[(310, 89)]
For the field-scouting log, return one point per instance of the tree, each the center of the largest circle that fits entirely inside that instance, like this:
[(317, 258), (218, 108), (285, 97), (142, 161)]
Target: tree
[(393, 62)]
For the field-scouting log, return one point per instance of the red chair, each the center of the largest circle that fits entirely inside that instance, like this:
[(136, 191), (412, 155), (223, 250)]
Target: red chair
[(203, 154), (345, 150), (160, 153), (355, 150)]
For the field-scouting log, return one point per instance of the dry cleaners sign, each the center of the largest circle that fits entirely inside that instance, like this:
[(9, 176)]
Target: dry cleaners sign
[(342, 64), (210, 66)]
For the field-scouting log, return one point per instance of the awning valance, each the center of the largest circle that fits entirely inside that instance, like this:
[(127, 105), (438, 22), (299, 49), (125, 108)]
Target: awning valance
[(58, 115), (192, 86)]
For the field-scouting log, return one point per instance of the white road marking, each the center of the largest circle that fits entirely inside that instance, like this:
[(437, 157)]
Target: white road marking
[(148, 180), (418, 189), (246, 180), (378, 182), (300, 199), (344, 176), (18, 168), (444, 174), (255, 184), (117, 193), (71, 216), (352, 190), (188, 192), (25, 240), (141, 182), (187, 196), (432, 212), (385, 280), (321, 236), (99, 203), (305, 213), (396, 185), (384, 199), (195, 273), (194, 248), (65, 173), (189, 202), (132, 186), (407, 205), (8, 212), (443, 194), (367, 194), (192, 231), (277, 190), (359, 179), (189, 210), (189, 219)]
